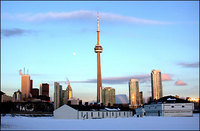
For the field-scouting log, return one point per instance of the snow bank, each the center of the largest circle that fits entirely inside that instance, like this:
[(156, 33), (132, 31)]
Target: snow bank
[(133, 123)]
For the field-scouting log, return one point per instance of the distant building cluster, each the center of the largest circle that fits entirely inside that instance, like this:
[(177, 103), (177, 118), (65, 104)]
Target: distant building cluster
[(62, 97), (28, 93)]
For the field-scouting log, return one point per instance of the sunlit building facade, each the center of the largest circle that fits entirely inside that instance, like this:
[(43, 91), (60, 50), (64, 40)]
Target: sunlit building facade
[(134, 92), (69, 91), (156, 84), (25, 86), (108, 96)]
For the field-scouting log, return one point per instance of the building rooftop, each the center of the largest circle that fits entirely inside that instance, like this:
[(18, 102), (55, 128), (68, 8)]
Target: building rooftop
[(171, 99), (99, 108)]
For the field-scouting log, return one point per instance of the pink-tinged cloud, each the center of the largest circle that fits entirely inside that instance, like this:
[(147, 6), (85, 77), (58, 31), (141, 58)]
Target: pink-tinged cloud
[(81, 15), (180, 83), (166, 77)]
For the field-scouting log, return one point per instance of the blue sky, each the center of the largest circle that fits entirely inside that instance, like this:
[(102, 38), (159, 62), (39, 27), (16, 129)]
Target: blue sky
[(136, 37)]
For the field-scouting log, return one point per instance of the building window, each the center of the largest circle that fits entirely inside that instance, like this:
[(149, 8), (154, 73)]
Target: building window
[(91, 114), (119, 113), (106, 113), (183, 106), (172, 106), (124, 113), (98, 114), (112, 113)]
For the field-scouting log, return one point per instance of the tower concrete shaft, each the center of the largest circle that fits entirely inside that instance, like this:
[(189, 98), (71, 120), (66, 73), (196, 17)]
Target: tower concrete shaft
[(98, 49)]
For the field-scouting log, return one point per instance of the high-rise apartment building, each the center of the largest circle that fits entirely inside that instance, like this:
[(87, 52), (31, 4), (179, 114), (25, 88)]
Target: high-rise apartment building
[(108, 96), (134, 92), (25, 86), (44, 89), (57, 95), (156, 84)]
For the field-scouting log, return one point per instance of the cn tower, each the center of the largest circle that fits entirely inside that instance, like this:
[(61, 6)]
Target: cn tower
[(98, 49)]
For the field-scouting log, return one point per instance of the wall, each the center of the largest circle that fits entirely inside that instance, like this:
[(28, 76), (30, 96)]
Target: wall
[(65, 112), (169, 109), (178, 109), (103, 114)]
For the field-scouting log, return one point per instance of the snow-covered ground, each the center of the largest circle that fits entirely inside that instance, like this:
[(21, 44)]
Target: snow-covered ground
[(133, 123)]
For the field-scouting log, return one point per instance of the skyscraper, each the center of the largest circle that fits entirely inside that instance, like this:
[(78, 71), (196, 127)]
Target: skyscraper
[(64, 97), (98, 49), (69, 91), (134, 92), (25, 86), (35, 93), (44, 89), (108, 96), (156, 84), (140, 98), (57, 95), (31, 86)]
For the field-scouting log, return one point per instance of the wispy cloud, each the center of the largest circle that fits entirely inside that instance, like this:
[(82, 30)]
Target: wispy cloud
[(14, 32), (189, 65), (180, 83), (125, 79), (81, 15)]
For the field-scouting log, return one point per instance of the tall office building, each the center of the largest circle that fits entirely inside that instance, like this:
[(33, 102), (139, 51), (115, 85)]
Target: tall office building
[(35, 93), (64, 97), (140, 98), (98, 49), (156, 84), (108, 96), (134, 92), (69, 91), (25, 86), (57, 95), (44, 89)]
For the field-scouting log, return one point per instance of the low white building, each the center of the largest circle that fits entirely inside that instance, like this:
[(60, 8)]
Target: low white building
[(67, 112), (169, 106)]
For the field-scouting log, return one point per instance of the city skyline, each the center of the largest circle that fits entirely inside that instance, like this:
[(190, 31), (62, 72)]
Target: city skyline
[(44, 40)]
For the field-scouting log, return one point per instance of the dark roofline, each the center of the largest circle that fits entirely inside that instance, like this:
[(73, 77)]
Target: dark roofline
[(1, 93), (97, 108), (173, 100)]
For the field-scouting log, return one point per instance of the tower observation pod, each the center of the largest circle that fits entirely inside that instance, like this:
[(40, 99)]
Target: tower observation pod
[(98, 49)]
